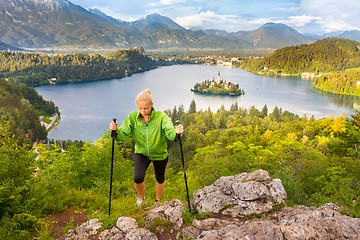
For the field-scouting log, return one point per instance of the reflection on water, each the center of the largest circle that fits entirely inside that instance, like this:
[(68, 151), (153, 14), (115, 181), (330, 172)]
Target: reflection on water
[(341, 100)]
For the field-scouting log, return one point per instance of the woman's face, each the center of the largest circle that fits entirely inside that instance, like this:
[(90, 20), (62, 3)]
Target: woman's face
[(144, 107)]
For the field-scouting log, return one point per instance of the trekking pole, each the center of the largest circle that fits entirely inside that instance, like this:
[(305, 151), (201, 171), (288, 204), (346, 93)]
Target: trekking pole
[(113, 136), (183, 163)]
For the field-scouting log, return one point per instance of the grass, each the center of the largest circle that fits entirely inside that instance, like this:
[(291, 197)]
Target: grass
[(69, 226), (189, 217), (46, 120), (43, 232), (167, 225), (357, 69), (54, 124)]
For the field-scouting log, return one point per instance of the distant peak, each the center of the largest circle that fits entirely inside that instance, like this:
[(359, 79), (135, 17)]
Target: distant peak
[(272, 24), (52, 3), (153, 15)]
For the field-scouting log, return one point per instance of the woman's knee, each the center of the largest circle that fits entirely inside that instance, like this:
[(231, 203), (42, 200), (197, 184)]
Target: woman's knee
[(160, 179), (138, 180)]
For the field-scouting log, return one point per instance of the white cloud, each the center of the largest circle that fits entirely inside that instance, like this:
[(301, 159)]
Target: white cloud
[(210, 20), (335, 15), (299, 21), (292, 21), (164, 3)]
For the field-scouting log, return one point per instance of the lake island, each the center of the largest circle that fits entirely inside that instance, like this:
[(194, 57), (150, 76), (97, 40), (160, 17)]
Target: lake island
[(218, 87)]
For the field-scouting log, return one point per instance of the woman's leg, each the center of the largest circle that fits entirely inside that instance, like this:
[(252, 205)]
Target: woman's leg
[(159, 190), (160, 167), (141, 164)]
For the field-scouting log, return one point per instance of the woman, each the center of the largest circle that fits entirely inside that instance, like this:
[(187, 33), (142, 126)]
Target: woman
[(149, 129)]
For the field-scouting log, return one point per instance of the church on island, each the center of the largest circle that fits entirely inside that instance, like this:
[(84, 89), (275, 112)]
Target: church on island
[(218, 87)]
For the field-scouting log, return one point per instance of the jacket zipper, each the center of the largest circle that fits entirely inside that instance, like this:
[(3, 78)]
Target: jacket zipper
[(147, 140)]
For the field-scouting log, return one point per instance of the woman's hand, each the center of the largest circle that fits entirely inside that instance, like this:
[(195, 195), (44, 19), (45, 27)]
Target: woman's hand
[(113, 126), (179, 129)]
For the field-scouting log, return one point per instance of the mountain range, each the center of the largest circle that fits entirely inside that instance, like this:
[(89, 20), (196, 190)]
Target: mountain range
[(6, 47), (60, 23)]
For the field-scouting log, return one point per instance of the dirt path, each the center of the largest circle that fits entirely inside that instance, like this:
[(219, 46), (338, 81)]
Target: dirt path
[(62, 220)]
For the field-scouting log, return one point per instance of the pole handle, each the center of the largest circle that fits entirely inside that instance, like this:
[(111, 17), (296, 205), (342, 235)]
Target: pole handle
[(177, 137), (113, 132)]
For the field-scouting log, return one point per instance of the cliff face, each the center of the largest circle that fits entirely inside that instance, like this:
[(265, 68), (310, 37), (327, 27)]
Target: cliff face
[(242, 208)]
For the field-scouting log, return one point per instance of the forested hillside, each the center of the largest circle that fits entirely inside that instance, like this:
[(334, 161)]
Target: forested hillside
[(317, 161), (334, 62), (37, 68), (344, 82), (326, 55), (20, 108)]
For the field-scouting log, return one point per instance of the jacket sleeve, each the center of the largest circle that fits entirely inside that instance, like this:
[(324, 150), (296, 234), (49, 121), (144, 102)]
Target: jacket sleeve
[(125, 129), (168, 127)]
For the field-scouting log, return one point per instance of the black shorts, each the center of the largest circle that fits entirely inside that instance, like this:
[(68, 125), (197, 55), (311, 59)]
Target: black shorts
[(142, 163)]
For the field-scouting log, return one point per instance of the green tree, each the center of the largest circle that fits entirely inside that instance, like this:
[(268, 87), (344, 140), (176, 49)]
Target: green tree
[(192, 108), (264, 111), (17, 167)]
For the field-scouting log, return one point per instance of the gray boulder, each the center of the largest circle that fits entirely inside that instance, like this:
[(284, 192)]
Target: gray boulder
[(169, 211), (289, 223), (240, 195), (84, 231)]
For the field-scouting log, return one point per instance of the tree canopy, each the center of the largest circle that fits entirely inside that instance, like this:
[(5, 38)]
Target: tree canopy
[(326, 55), (334, 62), (20, 108), (37, 68)]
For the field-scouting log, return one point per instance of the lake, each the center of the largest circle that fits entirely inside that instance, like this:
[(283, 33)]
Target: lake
[(87, 108)]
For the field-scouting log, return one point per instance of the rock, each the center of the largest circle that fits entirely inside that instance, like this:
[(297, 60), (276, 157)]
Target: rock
[(241, 195), (113, 234), (140, 234), (211, 223), (290, 223), (84, 231), (245, 208), (277, 191), (228, 232), (127, 229), (188, 233), (170, 211), (258, 176), (321, 223), (126, 224)]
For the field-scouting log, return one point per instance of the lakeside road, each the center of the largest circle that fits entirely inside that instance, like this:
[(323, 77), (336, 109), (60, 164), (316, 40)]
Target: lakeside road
[(46, 125)]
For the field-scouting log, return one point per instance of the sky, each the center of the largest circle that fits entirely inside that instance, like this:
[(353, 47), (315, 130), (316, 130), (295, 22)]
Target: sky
[(306, 16)]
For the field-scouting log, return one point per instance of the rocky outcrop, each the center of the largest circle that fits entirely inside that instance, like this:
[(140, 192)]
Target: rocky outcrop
[(240, 206), (125, 228), (289, 223), (240, 195), (170, 211)]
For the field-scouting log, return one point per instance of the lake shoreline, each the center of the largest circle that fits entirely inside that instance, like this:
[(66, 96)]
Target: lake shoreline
[(86, 109)]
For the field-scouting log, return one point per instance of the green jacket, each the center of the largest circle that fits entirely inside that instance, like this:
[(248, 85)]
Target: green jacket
[(149, 137)]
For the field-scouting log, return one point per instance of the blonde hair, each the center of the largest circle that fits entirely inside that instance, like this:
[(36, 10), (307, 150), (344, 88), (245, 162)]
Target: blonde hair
[(144, 95)]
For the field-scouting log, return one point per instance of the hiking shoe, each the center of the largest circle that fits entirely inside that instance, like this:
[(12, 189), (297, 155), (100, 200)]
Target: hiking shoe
[(140, 201), (157, 203)]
